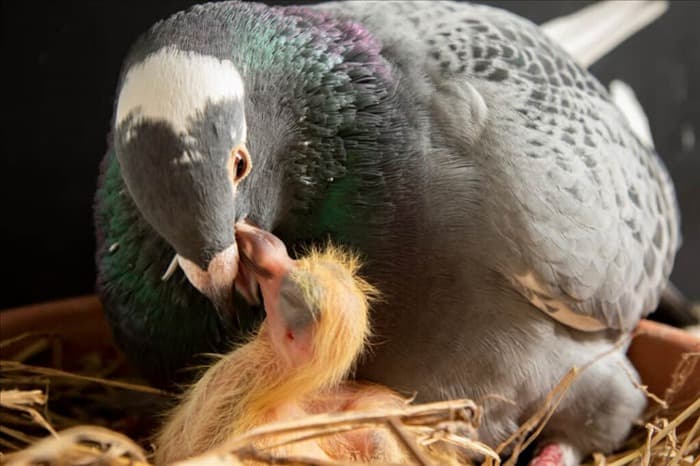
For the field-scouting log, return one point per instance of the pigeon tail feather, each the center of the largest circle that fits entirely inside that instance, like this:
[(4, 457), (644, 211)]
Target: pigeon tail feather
[(626, 100), (592, 32)]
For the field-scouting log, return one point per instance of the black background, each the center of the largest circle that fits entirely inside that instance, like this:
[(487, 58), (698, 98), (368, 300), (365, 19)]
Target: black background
[(60, 62)]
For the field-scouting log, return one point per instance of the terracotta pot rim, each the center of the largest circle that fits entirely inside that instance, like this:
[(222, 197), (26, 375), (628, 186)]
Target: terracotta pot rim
[(655, 349)]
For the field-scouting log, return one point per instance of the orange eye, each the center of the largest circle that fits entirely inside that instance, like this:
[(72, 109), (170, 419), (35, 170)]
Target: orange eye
[(240, 161)]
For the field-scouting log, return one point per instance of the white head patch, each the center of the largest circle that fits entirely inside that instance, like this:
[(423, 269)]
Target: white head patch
[(174, 85)]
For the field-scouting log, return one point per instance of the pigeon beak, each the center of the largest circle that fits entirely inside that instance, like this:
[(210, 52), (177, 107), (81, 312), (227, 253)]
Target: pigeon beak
[(218, 280), (256, 256)]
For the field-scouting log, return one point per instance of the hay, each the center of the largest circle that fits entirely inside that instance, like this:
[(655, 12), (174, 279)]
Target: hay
[(39, 397), (670, 432), (49, 417)]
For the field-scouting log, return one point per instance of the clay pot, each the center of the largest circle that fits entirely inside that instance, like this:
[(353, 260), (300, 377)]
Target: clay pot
[(656, 350), (76, 325)]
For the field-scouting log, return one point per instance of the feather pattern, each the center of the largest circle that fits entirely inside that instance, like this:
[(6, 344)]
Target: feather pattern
[(584, 214)]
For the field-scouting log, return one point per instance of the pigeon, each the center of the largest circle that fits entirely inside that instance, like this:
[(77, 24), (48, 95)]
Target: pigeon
[(513, 221)]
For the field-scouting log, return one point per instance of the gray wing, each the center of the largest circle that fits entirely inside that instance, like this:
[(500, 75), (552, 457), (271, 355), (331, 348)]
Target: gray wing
[(583, 217)]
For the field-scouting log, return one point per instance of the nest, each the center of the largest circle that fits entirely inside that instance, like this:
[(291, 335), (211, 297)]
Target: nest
[(97, 413)]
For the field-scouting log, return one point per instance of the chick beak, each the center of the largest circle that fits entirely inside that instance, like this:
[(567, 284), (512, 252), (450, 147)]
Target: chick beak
[(263, 256), (217, 282), (246, 281)]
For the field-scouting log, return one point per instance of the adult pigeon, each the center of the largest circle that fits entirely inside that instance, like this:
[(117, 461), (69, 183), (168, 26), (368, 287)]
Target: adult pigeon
[(512, 220)]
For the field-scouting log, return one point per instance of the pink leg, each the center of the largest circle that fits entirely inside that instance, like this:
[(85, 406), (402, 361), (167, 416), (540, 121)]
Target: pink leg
[(556, 454)]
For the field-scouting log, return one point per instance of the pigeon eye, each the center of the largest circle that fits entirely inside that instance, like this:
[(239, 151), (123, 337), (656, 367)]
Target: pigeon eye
[(241, 164)]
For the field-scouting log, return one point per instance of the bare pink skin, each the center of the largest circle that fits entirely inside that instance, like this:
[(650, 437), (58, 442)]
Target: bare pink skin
[(555, 454), (264, 257)]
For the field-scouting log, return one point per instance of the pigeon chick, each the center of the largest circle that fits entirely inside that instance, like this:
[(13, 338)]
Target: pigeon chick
[(316, 326)]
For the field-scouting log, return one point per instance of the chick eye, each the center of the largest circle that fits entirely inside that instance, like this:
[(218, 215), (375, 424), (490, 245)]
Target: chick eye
[(241, 164)]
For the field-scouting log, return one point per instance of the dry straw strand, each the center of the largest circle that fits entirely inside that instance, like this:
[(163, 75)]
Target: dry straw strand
[(80, 444), (8, 366), (22, 400)]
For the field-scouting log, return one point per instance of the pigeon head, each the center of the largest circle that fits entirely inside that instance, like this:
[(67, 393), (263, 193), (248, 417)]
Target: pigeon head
[(236, 112), (180, 137)]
